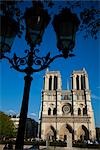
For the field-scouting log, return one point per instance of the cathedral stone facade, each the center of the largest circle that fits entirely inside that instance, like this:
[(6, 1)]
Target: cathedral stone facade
[(66, 113)]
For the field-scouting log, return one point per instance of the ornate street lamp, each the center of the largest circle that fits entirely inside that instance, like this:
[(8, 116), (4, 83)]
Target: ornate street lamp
[(36, 19), (65, 25)]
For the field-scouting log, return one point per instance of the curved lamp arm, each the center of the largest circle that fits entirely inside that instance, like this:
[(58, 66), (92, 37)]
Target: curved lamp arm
[(10, 60), (31, 62)]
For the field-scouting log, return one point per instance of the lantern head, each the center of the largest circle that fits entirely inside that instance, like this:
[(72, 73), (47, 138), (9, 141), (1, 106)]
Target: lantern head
[(65, 25), (8, 30), (36, 19)]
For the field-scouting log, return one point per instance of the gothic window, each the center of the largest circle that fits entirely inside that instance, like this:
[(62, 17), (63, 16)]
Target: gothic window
[(77, 82), (44, 83), (79, 111), (82, 82), (55, 82), (84, 111), (50, 83), (54, 111), (49, 111), (84, 86), (72, 82), (65, 97), (86, 133), (66, 108)]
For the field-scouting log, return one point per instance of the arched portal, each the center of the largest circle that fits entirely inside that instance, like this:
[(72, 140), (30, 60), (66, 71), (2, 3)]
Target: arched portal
[(65, 132), (50, 133), (86, 136), (82, 133)]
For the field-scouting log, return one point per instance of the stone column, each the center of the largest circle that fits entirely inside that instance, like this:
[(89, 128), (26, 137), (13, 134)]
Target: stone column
[(46, 83), (69, 140), (74, 82), (52, 83), (86, 82), (74, 103), (59, 83), (79, 82)]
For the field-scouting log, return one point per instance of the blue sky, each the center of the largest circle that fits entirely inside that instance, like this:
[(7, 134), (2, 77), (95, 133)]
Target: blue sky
[(12, 82)]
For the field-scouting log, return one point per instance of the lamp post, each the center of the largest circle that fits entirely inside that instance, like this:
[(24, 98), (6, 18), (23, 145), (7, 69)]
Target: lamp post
[(36, 19)]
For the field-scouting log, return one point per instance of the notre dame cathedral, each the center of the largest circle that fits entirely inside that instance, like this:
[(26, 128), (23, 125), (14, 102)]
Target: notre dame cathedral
[(66, 112)]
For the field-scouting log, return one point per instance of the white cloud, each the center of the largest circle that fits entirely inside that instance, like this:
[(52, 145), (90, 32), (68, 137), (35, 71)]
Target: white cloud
[(11, 111), (33, 116)]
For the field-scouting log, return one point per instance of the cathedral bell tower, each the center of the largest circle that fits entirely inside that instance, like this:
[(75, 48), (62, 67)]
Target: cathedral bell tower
[(80, 89), (80, 80), (52, 81), (51, 93), (81, 100)]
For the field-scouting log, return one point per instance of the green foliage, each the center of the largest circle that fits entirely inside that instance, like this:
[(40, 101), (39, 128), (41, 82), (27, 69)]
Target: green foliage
[(6, 126), (87, 11)]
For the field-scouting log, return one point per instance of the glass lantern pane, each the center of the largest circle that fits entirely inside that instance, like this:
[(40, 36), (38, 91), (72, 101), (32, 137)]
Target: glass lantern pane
[(66, 28), (33, 35), (35, 31), (34, 22), (65, 43), (66, 36)]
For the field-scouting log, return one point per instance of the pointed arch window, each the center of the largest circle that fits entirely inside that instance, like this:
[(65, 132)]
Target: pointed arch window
[(55, 82), (72, 82), (84, 85), (84, 111), (86, 131), (77, 82), (79, 111), (82, 82), (49, 111), (54, 111), (50, 83), (44, 84)]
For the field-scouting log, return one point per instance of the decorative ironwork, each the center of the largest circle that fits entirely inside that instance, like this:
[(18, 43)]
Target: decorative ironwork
[(30, 62)]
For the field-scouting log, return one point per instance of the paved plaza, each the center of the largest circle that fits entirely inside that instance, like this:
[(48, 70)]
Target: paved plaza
[(26, 147)]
